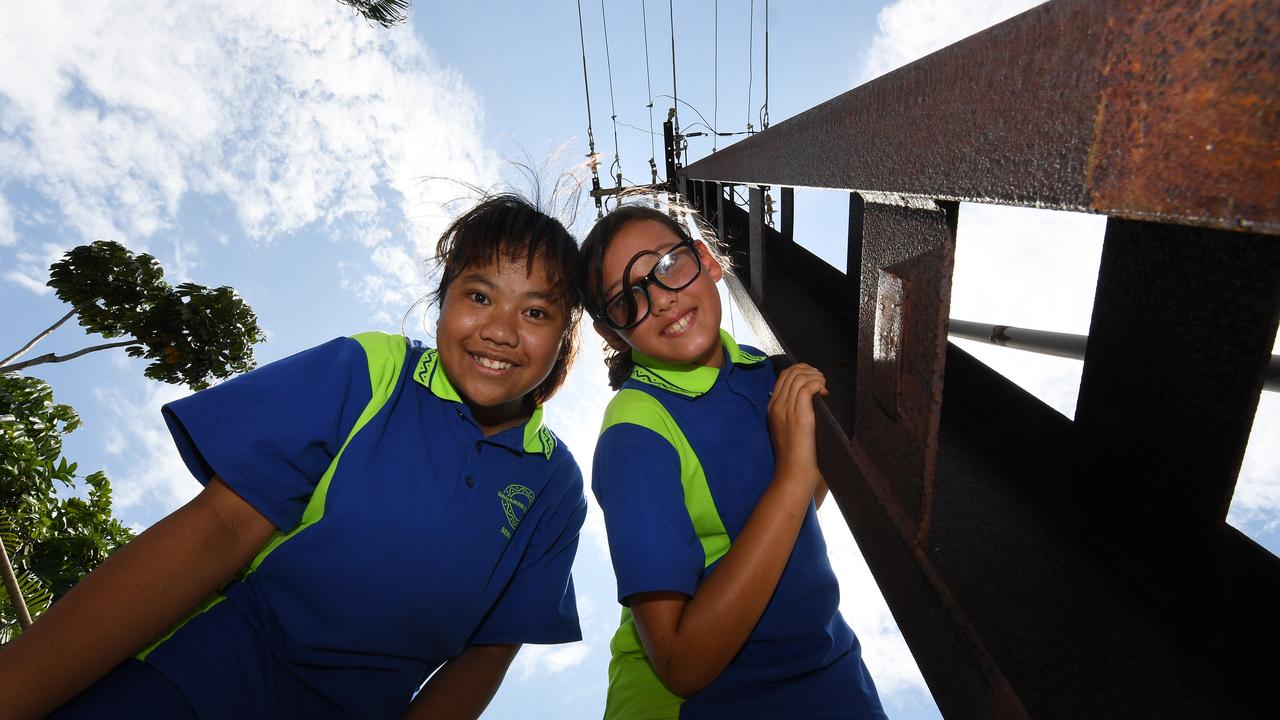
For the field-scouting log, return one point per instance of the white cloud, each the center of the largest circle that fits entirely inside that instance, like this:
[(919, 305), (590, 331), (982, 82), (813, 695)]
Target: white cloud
[(1028, 268), (8, 234), (1255, 506), (148, 478), (31, 267), (296, 113), (910, 29), (536, 660), (27, 282)]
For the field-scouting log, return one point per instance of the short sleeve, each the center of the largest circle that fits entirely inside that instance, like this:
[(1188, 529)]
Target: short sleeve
[(539, 605), (270, 434), (636, 480)]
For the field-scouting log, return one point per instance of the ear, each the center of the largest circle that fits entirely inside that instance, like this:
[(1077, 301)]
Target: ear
[(709, 262), (611, 336)]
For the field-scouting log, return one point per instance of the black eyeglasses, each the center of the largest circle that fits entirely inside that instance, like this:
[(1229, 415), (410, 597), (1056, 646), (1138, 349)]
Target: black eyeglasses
[(673, 271)]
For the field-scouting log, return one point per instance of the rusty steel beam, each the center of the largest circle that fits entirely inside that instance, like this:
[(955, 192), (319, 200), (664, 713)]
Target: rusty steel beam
[(1152, 110), (1022, 588), (1183, 323)]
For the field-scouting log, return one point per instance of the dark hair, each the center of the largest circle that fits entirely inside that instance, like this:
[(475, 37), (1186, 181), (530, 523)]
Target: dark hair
[(508, 227), (597, 242)]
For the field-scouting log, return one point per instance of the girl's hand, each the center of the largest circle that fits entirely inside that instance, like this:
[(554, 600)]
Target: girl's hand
[(792, 423)]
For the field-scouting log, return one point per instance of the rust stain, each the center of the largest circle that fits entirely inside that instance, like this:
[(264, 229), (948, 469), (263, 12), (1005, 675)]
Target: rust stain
[(1188, 121)]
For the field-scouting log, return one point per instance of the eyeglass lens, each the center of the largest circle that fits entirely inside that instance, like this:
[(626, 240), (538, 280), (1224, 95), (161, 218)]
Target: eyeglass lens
[(673, 271)]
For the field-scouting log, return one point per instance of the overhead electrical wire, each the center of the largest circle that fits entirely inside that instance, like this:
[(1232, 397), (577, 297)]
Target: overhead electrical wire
[(751, 56), (653, 165), (715, 82), (615, 169), (681, 146), (675, 109), (764, 109), (592, 161)]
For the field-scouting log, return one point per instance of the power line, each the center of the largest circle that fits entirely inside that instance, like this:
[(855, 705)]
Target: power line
[(764, 109), (715, 82), (675, 96), (653, 166), (751, 56), (638, 129), (689, 105), (592, 161), (616, 168)]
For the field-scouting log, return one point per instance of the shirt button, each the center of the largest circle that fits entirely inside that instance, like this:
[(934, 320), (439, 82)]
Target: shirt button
[(471, 482), (477, 447)]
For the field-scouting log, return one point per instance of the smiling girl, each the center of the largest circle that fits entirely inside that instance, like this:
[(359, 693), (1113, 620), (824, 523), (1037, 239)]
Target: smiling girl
[(374, 511), (706, 470)]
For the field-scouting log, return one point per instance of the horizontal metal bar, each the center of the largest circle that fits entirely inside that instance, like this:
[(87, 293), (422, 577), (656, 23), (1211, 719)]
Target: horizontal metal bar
[(1047, 342), (1150, 111), (1044, 342)]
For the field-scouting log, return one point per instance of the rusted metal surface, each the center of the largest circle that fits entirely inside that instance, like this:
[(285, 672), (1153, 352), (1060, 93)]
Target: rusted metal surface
[(1165, 111), (906, 258), (1039, 567), (1188, 118), (1083, 610), (1020, 590), (1183, 323)]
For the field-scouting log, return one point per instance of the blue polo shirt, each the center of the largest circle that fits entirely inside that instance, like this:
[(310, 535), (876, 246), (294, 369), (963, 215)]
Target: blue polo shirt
[(405, 534), (683, 457)]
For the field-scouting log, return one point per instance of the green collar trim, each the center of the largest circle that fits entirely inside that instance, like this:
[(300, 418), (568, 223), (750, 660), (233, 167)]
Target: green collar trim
[(685, 379), (430, 374)]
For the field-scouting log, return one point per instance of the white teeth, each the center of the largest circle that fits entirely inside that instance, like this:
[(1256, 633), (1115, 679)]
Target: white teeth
[(679, 326), (492, 364)]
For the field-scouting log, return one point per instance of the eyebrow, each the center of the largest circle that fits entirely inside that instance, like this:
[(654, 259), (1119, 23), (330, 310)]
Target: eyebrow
[(613, 288), (477, 276)]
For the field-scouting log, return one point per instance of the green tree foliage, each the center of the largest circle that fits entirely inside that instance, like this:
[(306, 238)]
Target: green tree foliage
[(51, 542), (191, 334)]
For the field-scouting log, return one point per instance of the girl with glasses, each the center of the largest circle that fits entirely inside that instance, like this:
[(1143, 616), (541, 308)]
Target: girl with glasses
[(706, 470)]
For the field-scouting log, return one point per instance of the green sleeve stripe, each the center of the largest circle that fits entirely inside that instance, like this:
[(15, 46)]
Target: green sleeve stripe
[(385, 355), (635, 691), (637, 407)]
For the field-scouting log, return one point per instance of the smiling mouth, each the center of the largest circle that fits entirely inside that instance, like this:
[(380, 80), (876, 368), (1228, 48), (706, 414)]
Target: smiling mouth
[(491, 365), (680, 326)]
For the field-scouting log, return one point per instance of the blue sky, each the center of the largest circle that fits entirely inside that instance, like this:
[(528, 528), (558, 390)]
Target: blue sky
[(288, 150)]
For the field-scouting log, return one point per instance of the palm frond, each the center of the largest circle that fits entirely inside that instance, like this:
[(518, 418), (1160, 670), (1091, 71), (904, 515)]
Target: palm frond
[(386, 13), (34, 592)]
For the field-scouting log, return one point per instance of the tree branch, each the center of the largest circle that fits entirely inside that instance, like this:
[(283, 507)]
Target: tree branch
[(52, 358), (15, 592), (23, 350)]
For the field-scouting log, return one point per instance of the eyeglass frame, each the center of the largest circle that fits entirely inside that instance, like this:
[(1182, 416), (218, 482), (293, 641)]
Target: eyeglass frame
[(650, 279)]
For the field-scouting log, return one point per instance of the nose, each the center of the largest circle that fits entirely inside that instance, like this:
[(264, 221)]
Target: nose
[(499, 327), (660, 299)]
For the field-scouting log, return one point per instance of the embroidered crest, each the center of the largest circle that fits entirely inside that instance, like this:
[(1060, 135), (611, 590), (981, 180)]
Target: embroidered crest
[(516, 500)]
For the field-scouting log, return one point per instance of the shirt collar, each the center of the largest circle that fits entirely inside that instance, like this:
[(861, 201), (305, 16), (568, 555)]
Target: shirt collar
[(429, 373), (686, 379)]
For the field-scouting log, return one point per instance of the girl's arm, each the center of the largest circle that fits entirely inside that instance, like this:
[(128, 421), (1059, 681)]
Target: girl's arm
[(137, 594), (691, 640), (463, 687)]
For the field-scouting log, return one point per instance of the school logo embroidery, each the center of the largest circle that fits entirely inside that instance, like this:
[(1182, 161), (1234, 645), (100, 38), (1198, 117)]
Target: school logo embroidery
[(515, 500)]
